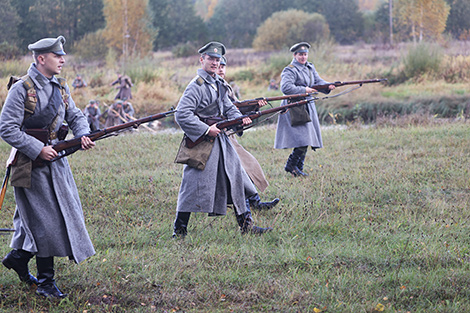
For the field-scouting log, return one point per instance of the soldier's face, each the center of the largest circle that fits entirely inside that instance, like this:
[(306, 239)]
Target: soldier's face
[(221, 70), (301, 57), (209, 64), (50, 64)]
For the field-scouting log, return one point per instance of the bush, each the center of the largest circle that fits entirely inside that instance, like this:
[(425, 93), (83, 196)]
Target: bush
[(284, 28), (91, 47), (424, 58), (184, 50), (8, 51)]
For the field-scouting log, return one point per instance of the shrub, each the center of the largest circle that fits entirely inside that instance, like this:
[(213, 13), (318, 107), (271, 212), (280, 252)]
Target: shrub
[(8, 51), (284, 28), (91, 47), (184, 50), (424, 58)]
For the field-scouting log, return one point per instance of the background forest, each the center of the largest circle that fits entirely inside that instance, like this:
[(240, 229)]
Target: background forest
[(95, 28), (420, 46)]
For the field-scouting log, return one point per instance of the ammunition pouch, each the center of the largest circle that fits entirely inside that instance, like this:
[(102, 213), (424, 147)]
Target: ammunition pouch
[(196, 156), (299, 115), (22, 166)]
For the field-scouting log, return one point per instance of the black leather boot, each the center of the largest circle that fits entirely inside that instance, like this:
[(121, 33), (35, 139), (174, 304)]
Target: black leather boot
[(256, 204), (47, 287), (180, 227), (245, 221), (300, 163), (18, 261), (293, 160)]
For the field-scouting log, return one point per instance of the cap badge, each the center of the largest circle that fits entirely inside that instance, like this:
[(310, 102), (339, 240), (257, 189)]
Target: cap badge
[(215, 50)]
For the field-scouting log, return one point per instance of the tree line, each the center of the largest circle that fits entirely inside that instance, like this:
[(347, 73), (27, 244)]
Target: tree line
[(135, 27)]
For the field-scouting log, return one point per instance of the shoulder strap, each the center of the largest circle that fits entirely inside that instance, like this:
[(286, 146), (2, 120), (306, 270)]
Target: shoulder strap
[(31, 97), (200, 81), (65, 96)]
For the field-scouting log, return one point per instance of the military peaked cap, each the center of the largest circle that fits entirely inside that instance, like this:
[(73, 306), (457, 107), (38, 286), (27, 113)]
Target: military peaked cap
[(300, 47), (214, 49), (45, 45), (223, 60)]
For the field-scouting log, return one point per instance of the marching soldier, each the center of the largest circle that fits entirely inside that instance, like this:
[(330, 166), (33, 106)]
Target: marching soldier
[(48, 219), (299, 127), (221, 181)]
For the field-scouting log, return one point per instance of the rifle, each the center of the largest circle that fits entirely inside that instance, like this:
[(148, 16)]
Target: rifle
[(354, 82), (4, 185), (221, 123), (4, 231), (67, 147), (252, 104)]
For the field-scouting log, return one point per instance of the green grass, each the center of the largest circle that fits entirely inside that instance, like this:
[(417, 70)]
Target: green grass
[(382, 219)]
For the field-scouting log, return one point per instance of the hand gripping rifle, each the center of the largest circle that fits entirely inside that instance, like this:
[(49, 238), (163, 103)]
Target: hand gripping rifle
[(222, 124), (252, 104), (67, 147)]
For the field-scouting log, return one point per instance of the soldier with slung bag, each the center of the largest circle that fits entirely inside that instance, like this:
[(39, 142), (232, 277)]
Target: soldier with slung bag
[(48, 220), (209, 185), (299, 127)]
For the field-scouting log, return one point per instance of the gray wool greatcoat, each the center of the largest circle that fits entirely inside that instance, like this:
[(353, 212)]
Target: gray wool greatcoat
[(249, 163), (206, 190), (48, 219), (294, 78), (125, 85)]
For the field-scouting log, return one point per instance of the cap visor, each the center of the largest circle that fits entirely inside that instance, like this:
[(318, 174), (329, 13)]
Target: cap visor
[(60, 52), (215, 55)]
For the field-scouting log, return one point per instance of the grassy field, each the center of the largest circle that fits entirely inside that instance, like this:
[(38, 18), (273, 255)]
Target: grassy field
[(381, 224)]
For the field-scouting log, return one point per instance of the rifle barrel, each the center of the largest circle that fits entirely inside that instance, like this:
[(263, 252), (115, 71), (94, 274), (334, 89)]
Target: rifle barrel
[(76, 142)]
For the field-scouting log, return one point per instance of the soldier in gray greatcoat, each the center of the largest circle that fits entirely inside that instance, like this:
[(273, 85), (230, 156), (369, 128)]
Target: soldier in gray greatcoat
[(249, 162), (221, 182), (297, 78), (92, 112), (48, 219), (124, 84)]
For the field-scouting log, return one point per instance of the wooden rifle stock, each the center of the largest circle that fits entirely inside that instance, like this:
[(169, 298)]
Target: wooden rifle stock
[(4, 186), (222, 124)]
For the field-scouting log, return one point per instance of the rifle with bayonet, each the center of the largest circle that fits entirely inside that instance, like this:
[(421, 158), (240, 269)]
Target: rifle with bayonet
[(252, 104), (222, 123)]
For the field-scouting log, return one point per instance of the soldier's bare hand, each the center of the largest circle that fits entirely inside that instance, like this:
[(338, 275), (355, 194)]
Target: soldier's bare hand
[(47, 153), (246, 121), (87, 143), (213, 130), (262, 103), (310, 90)]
